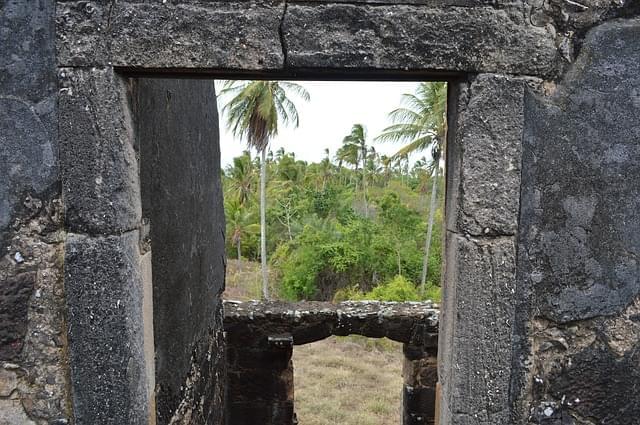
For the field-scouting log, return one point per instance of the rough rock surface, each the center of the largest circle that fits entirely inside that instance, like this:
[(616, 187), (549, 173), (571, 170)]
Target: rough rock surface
[(227, 35), (483, 182), (103, 288), (579, 250), (418, 38), (96, 140), (33, 360), (313, 321)]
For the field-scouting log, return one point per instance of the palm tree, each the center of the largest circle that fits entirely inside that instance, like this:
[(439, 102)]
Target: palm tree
[(241, 222), (422, 122), (326, 168), (356, 141), (242, 178), (253, 113)]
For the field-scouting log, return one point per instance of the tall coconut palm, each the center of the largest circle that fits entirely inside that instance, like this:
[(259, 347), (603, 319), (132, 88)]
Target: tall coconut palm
[(254, 110), (421, 123), (357, 141)]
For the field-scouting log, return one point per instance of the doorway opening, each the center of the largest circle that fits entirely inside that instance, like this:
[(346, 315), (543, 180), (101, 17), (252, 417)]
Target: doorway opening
[(343, 210), (334, 190)]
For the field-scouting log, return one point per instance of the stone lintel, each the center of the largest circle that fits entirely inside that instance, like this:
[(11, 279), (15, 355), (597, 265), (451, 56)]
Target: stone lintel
[(307, 322), (445, 36), (409, 37), (225, 35)]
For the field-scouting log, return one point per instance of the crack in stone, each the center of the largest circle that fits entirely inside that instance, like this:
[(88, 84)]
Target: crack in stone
[(109, 15), (283, 41)]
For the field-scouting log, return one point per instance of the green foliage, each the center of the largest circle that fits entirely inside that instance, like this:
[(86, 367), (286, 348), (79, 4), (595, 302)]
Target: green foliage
[(346, 227), (397, 289)]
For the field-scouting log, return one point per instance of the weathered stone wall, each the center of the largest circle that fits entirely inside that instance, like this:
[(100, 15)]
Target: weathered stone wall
[(261, 337), (177, 132), (541, 293), (33, 360), (579, 246)]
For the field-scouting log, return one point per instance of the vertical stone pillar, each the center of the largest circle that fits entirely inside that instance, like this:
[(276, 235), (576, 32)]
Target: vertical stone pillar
[(482, 205), (260, 379), (420, 373), (103, 263)]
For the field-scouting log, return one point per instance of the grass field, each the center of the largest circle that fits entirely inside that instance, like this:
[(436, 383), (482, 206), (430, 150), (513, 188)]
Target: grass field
[(348, 381), (337, 381)]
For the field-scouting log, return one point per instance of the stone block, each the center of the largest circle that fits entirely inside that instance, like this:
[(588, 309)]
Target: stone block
[(98, 160), (418, 405), (475, 348), (177, 35), (465, 39), (488, 142), (106, 348)]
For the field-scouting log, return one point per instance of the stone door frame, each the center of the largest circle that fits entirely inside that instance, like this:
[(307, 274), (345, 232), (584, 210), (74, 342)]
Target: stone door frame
[(102, 46)]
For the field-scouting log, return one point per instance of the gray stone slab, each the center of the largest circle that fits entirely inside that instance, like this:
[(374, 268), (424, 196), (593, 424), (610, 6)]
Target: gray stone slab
[(466, 39), (428, 3), (224, 35), (98, 161), (581, 196), (475, 364), (104, 300), (489, 146)]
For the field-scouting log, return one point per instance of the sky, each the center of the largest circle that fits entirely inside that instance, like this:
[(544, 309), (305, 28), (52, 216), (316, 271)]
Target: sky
[(328, 117)]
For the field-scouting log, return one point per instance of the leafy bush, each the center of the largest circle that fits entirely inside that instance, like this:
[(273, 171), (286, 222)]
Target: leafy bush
[(397, 289)]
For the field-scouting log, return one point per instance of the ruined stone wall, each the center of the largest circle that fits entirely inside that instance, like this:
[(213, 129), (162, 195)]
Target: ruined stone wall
[(177, 136), (33, 361), (261, 337), (578, 288), (540, 309)]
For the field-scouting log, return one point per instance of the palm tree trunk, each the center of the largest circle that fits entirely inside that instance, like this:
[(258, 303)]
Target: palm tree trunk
[(239, 256), (289, 224), (263, 223), (427, 244), (364, 181)]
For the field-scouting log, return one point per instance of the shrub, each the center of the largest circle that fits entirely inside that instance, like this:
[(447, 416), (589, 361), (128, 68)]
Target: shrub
[(397, 289)]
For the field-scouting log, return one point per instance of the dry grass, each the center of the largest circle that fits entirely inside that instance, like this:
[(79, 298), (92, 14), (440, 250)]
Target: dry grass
[(244, 281), (348, 381)]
